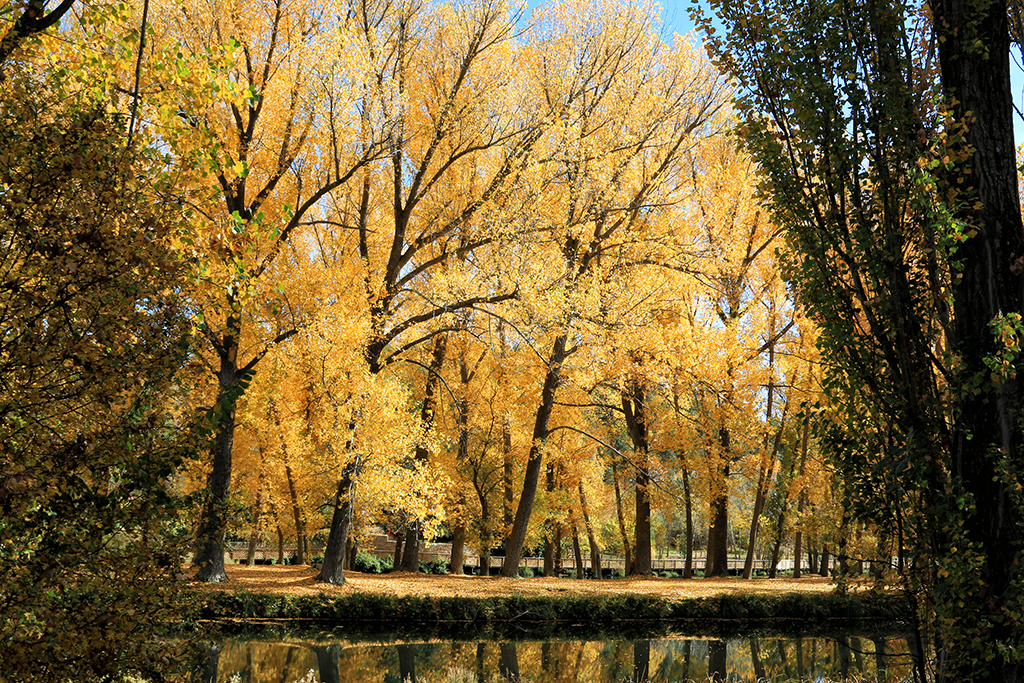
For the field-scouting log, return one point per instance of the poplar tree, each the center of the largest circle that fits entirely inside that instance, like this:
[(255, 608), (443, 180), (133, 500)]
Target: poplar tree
[(895, 179)]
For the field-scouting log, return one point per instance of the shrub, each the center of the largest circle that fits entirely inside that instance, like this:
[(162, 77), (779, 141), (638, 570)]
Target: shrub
[(435, 567), (370, 564), (526, 572)]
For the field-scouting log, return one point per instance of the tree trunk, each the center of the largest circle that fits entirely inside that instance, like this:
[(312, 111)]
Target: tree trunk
[(718, 533), (558, 550), (595, 552), (458, 557), (635, 410), (280, 545), (300, 526), (531, 478), (333, 569), (351, 550), (766, 470), (823, 569), (622, 519), (577, 552), (257, 511), (213, 526), (396, 563), (974, 56), (688, 503), (506, 459)]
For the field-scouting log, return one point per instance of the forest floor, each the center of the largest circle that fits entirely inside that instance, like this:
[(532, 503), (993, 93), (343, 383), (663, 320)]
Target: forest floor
[(301, 580)]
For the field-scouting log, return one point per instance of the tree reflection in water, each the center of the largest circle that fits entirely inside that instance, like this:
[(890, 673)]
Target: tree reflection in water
[(640, 661)]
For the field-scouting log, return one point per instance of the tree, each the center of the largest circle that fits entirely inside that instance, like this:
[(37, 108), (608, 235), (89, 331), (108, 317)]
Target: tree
[(896, 183), (93, 336), (287, 128)]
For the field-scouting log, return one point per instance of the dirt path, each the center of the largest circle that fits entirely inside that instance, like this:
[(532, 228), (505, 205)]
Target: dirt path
[(300, 581)]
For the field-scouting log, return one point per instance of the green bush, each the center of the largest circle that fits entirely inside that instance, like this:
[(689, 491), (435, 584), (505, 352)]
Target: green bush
[(435, 567), (371, 564), (526, 572)]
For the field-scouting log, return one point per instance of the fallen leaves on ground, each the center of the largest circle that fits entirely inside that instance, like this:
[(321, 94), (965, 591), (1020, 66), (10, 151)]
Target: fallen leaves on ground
[(300, 580)]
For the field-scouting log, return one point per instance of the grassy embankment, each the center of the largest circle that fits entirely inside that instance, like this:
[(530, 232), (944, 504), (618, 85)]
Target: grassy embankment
[(292, 594)]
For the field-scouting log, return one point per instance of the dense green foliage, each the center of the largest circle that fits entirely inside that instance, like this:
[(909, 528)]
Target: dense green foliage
[(895, 182), (91, 337)]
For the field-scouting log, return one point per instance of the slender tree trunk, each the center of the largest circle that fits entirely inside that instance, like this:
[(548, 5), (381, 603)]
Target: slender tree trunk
[(506, 459), (767, 470), (595, 552), (333, 569), (823, 569), (635, 409), (558, 550), (300, 526), (577, 552), (688, 504), (280, 545), (531, 478), (257, 511), (627, 551), (549, 546)]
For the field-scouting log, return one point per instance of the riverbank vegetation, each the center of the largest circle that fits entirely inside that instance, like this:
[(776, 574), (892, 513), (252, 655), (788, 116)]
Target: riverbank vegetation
[(297, 273)]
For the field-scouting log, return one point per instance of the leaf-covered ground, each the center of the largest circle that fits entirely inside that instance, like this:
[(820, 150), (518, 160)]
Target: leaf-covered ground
[(301, 580)]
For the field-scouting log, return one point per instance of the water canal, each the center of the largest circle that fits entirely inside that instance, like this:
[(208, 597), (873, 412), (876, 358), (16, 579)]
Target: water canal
[(837, 656)]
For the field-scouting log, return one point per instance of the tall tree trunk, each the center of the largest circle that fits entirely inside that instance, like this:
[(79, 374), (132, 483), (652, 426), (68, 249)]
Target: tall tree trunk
[(767, 468), (333, 569), (974, 56), (762, 490), (549, 546), (718, 533), (688, 504), (411, 555), (458, 557), (627, 551), (531, 478), (280, 545), (823, 569), (506, 460), (300, 526), (595, 551), (396, 563), (257, 512), (213, 525), (635, 410), (577, 552)]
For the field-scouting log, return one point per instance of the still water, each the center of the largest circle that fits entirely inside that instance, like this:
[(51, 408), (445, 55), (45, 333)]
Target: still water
[(763, 658)]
